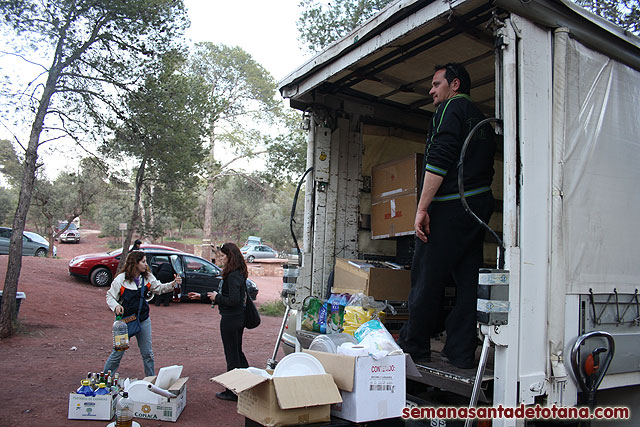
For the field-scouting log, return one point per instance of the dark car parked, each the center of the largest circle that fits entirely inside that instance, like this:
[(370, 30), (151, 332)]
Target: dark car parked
[(198, 274)]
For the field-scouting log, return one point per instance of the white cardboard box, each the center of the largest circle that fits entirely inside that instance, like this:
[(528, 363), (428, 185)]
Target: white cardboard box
[(282, 401), (370, 389), (169, 409), (82, 407)]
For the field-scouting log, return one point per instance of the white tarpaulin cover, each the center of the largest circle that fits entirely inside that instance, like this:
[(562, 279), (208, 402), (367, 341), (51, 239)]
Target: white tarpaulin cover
[(598, 155)]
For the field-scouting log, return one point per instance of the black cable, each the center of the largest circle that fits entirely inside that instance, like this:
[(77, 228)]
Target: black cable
[(465, 205), (293, 213)]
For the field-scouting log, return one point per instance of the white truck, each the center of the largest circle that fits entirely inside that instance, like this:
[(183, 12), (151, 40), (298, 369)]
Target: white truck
[(565, 86)]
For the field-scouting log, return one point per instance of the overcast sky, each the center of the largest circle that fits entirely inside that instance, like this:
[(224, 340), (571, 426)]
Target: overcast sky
[(266, 30)]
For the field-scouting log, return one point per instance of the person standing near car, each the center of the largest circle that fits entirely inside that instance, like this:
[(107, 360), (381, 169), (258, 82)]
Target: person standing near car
[(230, 299), (123, 298)]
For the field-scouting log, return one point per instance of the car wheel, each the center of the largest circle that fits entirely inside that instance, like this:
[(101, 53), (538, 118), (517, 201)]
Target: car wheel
[(251, 258), (101, 276), (41, 252)]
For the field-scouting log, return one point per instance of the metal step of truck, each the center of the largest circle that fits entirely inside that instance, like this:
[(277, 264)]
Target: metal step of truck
[(449, 378)]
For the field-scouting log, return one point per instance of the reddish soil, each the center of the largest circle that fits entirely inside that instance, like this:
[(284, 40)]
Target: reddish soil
[(65, 332)]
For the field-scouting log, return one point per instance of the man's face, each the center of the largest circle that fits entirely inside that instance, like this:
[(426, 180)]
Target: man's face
[(441, 90)]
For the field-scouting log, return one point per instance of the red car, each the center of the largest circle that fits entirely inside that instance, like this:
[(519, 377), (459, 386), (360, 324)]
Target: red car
[(99, 268)]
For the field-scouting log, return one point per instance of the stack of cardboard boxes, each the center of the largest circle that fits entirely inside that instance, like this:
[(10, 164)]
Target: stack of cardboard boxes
[(394, 196)]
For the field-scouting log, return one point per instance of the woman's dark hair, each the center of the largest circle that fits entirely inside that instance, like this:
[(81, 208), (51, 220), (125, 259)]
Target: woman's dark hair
[(235, 261), (131, 265), (454, 70)]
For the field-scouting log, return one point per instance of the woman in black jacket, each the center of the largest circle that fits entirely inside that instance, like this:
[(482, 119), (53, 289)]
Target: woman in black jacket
[(230, 299)]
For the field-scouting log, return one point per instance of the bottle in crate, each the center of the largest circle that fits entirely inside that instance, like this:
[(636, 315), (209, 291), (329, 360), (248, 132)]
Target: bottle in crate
[(85, 388), (102, 390)]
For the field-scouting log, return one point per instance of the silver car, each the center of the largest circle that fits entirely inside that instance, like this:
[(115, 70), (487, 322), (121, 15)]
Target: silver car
[(29, 246), (251, 253)]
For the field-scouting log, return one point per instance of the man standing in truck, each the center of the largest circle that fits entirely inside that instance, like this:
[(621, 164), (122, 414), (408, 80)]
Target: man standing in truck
[(449, 241)]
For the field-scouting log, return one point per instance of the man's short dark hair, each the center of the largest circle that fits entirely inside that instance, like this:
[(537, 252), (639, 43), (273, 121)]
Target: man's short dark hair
[(454, 70), (137, 242)]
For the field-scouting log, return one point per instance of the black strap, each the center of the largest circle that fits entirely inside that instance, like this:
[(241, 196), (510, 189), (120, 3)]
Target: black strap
[(141, 297)]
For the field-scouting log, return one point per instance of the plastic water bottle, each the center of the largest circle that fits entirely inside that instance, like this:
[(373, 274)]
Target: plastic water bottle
[(85, 388), (124, 411), (120, 335), (102, 390)]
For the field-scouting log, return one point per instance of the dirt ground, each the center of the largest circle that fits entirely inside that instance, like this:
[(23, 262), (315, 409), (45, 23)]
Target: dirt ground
[(65, 332)]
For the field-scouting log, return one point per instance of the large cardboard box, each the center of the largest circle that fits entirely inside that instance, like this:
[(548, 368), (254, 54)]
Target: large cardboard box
[(82, 407), (169, 409), (371, 278), (397, 177), (282, 401), (370, 389), (394, 216)]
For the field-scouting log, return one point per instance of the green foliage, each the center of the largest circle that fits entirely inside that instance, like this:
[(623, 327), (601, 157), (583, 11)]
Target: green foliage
[(240, 88), (624, 13), (162, 131), (322, 23), (10, 163), (68, 197), (287, 158), (8, 200), (272, 308), (274, 216), (114, 209)]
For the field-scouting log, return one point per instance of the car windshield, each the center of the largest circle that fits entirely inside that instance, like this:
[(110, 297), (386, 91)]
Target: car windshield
[(35, 237), (62, 225), (115, 252)]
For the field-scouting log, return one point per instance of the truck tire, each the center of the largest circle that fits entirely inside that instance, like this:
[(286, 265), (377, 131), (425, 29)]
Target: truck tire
[(101, 276)]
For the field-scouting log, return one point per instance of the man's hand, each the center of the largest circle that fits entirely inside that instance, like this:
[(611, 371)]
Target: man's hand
[(212, 295), (422, 225), (177, 279), (193, 295), (119, 310)]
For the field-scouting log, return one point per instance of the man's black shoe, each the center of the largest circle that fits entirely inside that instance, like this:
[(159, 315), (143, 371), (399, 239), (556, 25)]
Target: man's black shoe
[(421, 359), (457, 364), (227, 395)]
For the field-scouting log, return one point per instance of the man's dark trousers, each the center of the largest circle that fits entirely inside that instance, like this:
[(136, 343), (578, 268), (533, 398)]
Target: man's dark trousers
[(453, 250)]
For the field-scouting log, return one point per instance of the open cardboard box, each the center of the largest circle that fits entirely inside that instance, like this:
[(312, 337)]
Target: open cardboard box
[(370, 389), (282, 401), (169, 409), (380, 283)]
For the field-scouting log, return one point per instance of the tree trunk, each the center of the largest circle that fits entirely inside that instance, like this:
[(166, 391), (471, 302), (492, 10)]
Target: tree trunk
[(134, 214), (14, 262)]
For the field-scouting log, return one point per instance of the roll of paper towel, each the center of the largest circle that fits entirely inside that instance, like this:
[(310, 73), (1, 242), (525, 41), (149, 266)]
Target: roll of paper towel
[(351, 349), (160, 391)]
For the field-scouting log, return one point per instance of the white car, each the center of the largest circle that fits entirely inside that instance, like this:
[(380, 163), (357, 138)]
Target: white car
[(70, 235), (251, 253)]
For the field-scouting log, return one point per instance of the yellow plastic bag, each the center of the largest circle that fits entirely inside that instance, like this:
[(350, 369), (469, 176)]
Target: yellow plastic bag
[(355, 315)]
